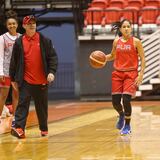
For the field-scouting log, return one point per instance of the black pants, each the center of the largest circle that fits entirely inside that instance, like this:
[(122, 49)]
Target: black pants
[(39, 93), (125, 107)]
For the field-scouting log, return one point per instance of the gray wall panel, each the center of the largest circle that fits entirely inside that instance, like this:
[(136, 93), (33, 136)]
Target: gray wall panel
[(93, 82)]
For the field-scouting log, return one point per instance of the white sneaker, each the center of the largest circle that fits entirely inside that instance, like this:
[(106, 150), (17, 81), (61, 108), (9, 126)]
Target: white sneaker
[(5, 112)]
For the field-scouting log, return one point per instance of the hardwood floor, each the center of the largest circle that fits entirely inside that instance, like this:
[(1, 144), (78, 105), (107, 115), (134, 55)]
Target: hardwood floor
[(86, 131)]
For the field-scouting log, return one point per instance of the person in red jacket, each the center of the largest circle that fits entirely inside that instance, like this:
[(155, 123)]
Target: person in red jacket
[(33, 66), (125, 52)]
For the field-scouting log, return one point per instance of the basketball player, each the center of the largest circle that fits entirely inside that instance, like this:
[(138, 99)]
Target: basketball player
[(33, 65), (7, 41), (125, 52)]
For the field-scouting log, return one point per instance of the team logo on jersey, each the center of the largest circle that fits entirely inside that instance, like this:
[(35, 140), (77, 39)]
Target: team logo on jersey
[(7, 45), (126, 47)]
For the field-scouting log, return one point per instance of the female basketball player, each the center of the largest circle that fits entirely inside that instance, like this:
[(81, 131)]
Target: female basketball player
[(7, 41), (125, 78)]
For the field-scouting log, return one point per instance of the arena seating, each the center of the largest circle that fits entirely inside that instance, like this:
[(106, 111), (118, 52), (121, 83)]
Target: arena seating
[(118, 3), (149, 15), (92, 19), (93, 15), (140, 12), (132, 10), (99, 3), (136, 3), (111, 14), (150, 19), (155, 3)]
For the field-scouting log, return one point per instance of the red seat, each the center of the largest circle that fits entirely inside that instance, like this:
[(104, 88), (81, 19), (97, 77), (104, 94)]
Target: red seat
[(149, 15), (118, 3), (99, 3), (112, 14), (131, 13), (93, 15), (155, 3), (136, 3)]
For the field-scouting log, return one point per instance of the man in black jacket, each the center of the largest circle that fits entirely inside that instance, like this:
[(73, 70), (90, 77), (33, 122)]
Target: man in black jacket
[(33, 65)]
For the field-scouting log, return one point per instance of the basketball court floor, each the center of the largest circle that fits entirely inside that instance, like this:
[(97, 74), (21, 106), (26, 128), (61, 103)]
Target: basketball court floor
[(86, 131)]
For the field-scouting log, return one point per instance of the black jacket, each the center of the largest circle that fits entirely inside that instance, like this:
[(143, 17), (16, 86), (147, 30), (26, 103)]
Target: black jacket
[(49, 58)]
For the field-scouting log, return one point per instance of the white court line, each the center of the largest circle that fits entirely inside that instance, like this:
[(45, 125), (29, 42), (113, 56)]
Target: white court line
[(64, 105), (153, 158), (56, 159), (118, 158), (103, 129)]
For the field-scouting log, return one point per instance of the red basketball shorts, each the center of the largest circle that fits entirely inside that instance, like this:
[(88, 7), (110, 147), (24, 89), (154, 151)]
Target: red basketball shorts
[(123, 82), (6, 83)]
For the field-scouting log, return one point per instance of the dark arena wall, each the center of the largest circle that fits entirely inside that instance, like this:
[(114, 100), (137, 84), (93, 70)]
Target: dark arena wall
[(93, 83)]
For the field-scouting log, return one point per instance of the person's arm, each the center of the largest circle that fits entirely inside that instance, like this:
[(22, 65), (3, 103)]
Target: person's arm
[(52, 62), (142, 59), (52, 58), (15, 60), (111, 56), (1, 57)]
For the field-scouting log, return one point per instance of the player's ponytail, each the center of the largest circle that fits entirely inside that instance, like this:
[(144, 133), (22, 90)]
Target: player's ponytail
[(117, 25), (116, 28)]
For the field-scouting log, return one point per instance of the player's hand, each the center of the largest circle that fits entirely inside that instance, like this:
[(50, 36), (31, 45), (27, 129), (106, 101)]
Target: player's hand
[(50, 77), (14, 85), (2, 79), (139, 80)]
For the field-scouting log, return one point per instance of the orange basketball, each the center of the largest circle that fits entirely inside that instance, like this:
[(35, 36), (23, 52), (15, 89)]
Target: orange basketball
[(97, 59)]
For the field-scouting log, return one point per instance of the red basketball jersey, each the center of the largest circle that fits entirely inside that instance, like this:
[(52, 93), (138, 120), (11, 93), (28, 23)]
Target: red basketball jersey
[(126, 56)]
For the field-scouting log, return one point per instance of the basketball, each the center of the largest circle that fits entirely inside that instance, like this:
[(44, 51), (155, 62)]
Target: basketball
[(97, 59)]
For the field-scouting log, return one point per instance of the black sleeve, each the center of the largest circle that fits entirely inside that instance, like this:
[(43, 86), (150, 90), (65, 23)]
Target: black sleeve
[(52, 58), (13, 62)]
